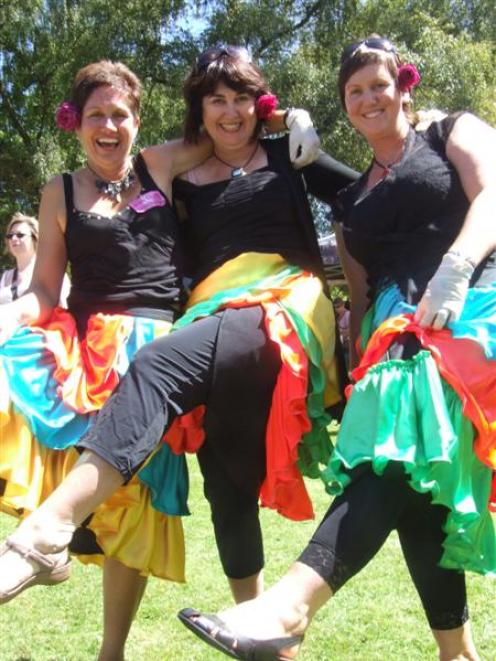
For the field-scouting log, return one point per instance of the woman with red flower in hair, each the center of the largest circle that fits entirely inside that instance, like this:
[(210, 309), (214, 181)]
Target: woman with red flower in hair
[(416, 450)]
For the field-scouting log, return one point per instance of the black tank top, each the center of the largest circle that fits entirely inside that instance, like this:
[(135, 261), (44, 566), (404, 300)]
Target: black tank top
[(130, 262), (400, 229), (254, 213)]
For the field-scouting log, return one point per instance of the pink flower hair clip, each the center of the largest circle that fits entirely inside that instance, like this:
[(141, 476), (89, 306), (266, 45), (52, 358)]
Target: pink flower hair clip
[(265, 106), (408, 77), (67, 116)]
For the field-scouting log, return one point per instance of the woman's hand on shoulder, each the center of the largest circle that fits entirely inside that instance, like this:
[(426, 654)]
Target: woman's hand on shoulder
[(304, 143)]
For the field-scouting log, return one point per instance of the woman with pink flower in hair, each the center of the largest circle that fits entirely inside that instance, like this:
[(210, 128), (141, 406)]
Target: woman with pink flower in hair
[(112, 221), (416, 450), (262, 315)]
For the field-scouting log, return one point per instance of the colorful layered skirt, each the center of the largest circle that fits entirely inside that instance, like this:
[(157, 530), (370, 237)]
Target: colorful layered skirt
[(52, 384), (300, 319), (435, 412)]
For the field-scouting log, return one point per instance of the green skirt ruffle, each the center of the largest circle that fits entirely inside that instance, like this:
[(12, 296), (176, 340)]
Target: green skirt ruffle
[(402, 410)]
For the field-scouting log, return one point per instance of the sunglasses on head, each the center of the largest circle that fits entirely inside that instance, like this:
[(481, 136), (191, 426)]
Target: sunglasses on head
[(375, 43), (17, 235), (216, 52)]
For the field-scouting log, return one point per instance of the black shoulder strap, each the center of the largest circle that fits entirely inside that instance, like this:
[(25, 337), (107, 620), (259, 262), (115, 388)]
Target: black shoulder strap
[(68, 193), (143, 174)]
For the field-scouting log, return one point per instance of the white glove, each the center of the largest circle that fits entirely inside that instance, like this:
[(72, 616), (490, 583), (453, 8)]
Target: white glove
[(304, 143), (445, 294)]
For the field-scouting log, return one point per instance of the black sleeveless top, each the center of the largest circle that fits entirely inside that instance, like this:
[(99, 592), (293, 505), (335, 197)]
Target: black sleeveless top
[(400, 229), (253, 213), (130, 262)]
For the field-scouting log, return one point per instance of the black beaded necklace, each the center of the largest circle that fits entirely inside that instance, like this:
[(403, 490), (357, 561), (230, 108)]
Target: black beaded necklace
[(238, 170), (114, 189)]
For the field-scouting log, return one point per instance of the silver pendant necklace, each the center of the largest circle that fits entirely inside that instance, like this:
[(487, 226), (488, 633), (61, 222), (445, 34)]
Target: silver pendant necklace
[(238, 170)]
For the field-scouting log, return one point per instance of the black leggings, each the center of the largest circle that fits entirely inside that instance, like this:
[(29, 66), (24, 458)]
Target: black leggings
[(358, 523), (227, 363)]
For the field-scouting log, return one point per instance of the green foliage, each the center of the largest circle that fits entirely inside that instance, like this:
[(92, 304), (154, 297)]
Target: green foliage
[(298, 42), (43, 45)]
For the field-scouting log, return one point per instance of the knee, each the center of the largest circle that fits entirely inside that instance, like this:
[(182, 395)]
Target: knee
[(233, 509)]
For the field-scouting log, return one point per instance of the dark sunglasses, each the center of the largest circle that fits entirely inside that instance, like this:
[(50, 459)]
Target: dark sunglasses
[(217, 52), (18, 235), (375, 43)]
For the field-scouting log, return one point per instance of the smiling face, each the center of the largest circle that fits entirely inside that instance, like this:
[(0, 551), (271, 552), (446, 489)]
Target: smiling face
[(107, 131), (373, 102), (229, 117)]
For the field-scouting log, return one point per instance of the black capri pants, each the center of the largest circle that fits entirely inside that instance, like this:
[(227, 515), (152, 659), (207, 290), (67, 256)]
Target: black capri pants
[(358, 523), (227, 363)]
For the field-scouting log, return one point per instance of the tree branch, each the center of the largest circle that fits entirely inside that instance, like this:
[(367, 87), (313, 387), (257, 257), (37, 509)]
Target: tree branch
[(310, 12), (11, 113)]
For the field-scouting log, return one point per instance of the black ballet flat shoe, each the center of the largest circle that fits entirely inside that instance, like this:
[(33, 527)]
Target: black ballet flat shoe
[(215, 632)]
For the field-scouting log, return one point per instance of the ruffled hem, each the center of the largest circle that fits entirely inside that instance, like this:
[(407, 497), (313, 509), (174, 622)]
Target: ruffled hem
[(30, 470), (465, 354), (129, 529), (299, 318), (401, 410), (55, 395)]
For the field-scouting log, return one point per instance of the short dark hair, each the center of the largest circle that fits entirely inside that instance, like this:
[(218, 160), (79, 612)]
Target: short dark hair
[(106, 72), (231, 65)]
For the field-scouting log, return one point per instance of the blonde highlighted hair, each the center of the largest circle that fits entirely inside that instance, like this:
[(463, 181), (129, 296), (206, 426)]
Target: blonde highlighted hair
[(30, 221)]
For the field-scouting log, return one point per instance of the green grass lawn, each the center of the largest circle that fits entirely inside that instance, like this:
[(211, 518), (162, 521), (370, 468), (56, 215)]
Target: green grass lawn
[(376, 616)]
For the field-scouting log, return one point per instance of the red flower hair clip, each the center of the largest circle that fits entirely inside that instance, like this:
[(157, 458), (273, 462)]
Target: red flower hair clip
[(265, 106), (67, 116), (408, 77)]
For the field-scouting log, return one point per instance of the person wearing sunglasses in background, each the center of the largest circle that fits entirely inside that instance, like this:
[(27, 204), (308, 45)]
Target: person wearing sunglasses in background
[(416, 450), (21, 241)]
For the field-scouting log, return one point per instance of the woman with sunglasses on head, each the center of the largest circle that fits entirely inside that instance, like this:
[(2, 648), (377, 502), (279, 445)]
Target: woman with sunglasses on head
[(254, 254), (21, 240), (258, 310), (112, 220), (416, 450)]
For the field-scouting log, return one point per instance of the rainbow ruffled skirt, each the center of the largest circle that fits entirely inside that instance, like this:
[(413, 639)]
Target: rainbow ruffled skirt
[(300, 319), (52, 385), (435, 413)]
